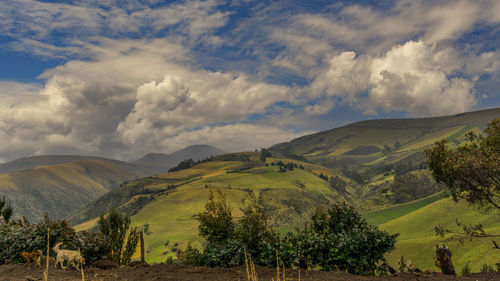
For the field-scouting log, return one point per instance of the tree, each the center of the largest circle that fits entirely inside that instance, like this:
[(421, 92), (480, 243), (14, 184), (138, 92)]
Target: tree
[(114, 228), (6, 209), (255, 233), (264, 153), (470, 171), (216, 221)]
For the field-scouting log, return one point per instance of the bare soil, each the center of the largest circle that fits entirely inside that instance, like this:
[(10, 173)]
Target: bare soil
[(187, 272)]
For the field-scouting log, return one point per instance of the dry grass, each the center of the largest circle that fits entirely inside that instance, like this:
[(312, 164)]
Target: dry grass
[(46, 272), (250, 266)]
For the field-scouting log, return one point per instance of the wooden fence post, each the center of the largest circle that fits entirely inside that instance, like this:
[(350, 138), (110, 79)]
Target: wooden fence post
[(142, 245)]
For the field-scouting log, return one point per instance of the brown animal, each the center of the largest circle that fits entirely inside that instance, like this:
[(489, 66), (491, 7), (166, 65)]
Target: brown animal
[(70, 257), (32, 256)]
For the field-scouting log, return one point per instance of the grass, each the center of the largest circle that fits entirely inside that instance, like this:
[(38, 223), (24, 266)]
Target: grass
[(381, 216), (417, 240), (289, 197)]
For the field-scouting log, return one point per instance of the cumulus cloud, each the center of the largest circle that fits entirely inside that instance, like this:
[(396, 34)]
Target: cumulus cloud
[(191, 100), (139, 76), (133, 98), (415, 77)]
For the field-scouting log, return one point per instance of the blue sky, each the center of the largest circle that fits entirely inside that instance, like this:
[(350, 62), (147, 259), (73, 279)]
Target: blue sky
[(121, 80)]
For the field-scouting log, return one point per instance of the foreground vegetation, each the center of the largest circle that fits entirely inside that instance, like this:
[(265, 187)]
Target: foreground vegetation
[(335, 239)]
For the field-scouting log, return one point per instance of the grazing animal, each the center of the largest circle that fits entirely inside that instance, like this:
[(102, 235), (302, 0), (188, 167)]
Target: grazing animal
[(32, 256), (70, 257)]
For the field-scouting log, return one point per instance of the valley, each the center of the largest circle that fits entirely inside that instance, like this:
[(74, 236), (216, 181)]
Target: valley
[(376, 165)]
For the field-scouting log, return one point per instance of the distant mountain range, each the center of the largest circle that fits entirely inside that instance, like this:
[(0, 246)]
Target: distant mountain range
[(155, 163), (61, 184)]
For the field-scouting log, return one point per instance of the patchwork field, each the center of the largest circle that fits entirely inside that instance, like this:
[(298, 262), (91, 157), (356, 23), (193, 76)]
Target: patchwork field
[(174, 199)]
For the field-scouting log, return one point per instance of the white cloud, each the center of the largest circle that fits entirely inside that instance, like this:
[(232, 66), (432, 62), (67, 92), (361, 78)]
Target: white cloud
[(415, 77), (191, 100), (13, 88), (34, 25)]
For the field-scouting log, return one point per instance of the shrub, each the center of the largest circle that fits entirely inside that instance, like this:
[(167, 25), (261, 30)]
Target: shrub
[(191, 256), (338, 239), (94, 246), (17, 237)]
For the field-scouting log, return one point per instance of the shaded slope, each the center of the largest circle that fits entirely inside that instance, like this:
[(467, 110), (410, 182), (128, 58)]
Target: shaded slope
[(63, 188)]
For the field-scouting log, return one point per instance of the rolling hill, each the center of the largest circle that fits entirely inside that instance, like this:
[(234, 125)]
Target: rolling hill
[(62, 188), (61, 184), (415, 222), (168, 203), (375, 142)]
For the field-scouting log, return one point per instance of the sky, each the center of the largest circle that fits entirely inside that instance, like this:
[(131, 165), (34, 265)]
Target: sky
[(121, 79)]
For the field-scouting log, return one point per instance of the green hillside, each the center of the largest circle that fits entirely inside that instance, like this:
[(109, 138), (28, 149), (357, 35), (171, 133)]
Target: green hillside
[(172, 200), (63, 188), (417, 240), (375, 152), (378, 217), (375, 142)]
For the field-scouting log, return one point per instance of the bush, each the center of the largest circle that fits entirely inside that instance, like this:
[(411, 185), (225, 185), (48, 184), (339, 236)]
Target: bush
[(18, 237), (94, 246), (191, 256), (338, 239), (335, 239)]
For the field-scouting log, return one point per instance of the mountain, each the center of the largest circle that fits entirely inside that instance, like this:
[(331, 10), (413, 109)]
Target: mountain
[(385, 140), (59, 185), (156, 163)]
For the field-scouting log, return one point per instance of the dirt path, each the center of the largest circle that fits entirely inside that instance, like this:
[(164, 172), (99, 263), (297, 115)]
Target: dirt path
[(185, 272)]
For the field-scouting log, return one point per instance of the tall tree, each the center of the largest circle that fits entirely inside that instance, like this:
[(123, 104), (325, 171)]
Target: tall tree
[(470, 171)]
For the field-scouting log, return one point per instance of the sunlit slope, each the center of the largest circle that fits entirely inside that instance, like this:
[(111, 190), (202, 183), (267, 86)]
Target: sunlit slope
[(384, 215), (60, 189), (417, 240), (384, 140), (170, 214)]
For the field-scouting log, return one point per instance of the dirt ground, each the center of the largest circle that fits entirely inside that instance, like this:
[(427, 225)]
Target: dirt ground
[(186, 272)]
